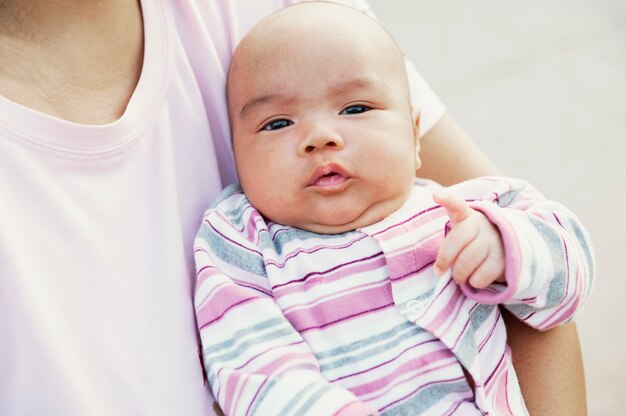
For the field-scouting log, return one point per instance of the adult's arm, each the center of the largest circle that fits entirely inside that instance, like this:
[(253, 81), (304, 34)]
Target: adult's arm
[(548, 364)]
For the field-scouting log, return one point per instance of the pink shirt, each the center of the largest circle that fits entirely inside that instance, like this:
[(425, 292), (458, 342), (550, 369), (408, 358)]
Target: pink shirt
[(97, 224), (298, 323)]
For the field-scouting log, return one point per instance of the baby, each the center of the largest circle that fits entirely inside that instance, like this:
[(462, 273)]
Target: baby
[(333, 282)]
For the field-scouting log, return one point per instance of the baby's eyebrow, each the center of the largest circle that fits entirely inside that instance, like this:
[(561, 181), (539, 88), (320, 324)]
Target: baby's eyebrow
[(255, 102), (261, 100), (355, 84), (338, 89)]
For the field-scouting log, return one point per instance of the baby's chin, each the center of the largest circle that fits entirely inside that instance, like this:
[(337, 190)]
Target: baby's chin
[(320, 228), (337, 223)]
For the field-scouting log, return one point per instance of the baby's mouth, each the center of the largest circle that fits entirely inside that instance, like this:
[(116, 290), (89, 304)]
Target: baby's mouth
[(329, 176), (331, 179)]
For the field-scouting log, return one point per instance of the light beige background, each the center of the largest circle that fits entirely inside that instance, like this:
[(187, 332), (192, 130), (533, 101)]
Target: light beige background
[(541, 87)]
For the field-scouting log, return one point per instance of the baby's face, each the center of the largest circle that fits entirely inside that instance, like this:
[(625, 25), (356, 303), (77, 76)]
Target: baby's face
[(323, 132)]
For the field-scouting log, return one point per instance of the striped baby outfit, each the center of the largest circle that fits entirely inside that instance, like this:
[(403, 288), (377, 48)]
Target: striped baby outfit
[(298, 323)]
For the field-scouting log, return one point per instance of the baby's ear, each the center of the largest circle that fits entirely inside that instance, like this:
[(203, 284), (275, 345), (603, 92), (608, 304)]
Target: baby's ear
[(415, 116)]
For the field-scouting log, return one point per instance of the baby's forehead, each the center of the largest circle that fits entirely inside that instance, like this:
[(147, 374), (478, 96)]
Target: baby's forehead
[(298, 28), (319, 37)]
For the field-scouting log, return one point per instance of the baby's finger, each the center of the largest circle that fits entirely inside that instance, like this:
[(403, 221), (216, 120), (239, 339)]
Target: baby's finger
[(456, 240), (468, 260), (489, 271), (457, 208)]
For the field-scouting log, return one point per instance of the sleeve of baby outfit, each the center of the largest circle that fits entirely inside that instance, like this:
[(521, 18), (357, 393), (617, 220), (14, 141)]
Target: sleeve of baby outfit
[(255, 361), (423, 97), (549, 258)]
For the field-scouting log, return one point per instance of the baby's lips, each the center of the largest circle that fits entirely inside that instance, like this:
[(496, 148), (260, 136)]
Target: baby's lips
[(333, 179), (322, 174)]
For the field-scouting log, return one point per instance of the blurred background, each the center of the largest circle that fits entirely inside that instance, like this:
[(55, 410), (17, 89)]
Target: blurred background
[(541, 87)]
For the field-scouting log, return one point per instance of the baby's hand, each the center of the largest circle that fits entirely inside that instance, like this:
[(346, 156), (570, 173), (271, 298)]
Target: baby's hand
[(473, 248)]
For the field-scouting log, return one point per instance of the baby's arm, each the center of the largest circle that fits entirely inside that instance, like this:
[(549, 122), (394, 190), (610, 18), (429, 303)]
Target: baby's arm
[(549, 263), (256, 362), (548, 364)]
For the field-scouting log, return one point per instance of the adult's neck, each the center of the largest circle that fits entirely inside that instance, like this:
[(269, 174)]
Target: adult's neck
[(75, 59)]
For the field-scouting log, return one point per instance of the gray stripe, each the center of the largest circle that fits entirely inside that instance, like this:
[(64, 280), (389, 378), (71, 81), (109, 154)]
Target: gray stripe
[(241, 349), (248, 343), (286, 236), (224, 249), (556, 290), (557, 287), (226, 193), (581, 236), (423, 400), (304, 408), (386, 340), (466, 349), (508, 198), (232, 254), (261, 397), (254, 329)]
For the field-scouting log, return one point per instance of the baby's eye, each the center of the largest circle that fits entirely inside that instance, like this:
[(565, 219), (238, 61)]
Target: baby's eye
[(277, 124), (355, 109)]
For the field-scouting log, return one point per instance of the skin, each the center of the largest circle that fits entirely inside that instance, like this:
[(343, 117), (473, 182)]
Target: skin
[(43, 66), (350, 120), (76, 60), (325, 138), (474, 246)]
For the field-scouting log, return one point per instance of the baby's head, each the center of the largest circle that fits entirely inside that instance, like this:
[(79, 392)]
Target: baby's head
[(324, 135)]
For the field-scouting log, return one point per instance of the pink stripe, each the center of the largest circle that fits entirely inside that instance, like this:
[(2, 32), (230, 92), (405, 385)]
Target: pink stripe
[(435, 237), (311, 250), (229, 392), (415, 226), (247, 284), (358, 266), (208, 297), (574, 302), (222, 298), (571, 306), (500, 399), (497, 370), (397, 357), (262, 353), (295, 359), (242, 389), (506, 393), (233, 242), (421, 387), (345, 292), (204, 273), (354, 408), (412, 262), (208, 316), (396, 229), (340, 309), (443, 315), (391, 305), (455, 320), (491, 330), (455, 406), (568, 271), (256, 394), (407, 367), (250, 227), (225, 221)]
